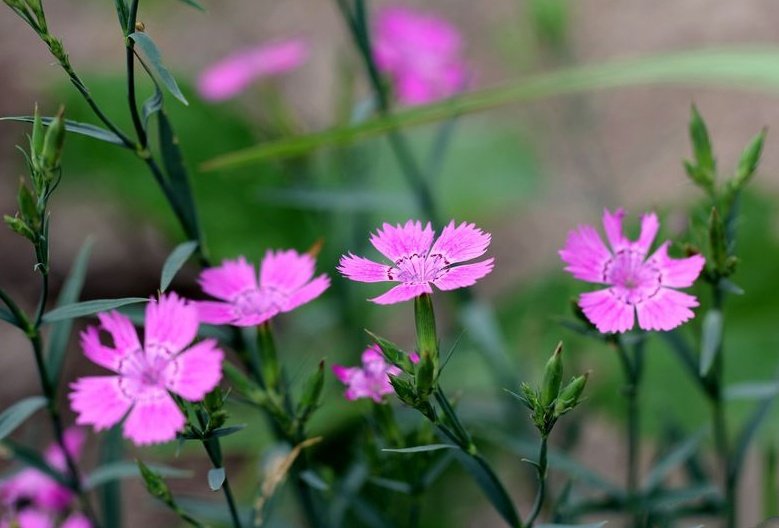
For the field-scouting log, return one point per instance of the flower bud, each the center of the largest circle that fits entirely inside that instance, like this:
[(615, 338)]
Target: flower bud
[(312, 390), (553, 377), (53, 142), (155, 485), (569, 396), (427, 345)]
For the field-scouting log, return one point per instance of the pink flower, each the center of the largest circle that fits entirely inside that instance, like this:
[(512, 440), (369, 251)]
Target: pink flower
[(35, 488), (146, 374), (32, 518), (421, 53), (372, 379), (285, 282), (233, 74), (638, 282), (417, 261)]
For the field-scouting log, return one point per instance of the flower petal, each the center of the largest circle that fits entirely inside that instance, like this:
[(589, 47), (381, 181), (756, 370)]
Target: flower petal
[(463, 275), (99, 401), (344, 374), (307, 293), (361, 269), (396, 242), (154, 420), (585, 254), (461, 243), (196, 371), (229, 280), (612, 224), (607, 312), (31, 518), (676, 273), (214, 312), (256, 318), (665, 310), (171, 324), (286, 271), (649, 227), (402, 292), (76, 520)]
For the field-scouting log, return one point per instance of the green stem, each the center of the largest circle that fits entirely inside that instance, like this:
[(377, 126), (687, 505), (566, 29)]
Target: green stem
[(632, 371), (541, 470), (214, 452)]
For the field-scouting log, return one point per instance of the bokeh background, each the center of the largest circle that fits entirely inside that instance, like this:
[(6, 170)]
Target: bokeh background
[(527, 173)]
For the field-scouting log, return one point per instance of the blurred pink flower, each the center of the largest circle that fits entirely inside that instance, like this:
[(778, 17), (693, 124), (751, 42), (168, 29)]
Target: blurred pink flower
[(286, 281), (371, 380), (415, 264), (232, 75), (638, 282), (145, 373), (422, 54), (38, 489), (33, 518)]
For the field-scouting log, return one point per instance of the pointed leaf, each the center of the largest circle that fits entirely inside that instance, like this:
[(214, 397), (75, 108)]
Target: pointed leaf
[(152, 53), (16, 414), (152, 105), (123, 470), (748, 433), (178, 177), (752, 390), (226, 431), (71, 290), (84, 129), (421, 449), (490, 485), (7, 316), (72, 311), (195, 4), (123, 13), (675, 458), (392, 485), (216, 477), (175, 261), (711, 339), (313, 480)]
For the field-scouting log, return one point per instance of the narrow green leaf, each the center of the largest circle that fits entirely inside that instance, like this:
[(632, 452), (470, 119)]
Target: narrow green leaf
[(175, 261), (392, 485), (152, 105), (84, 129), (672, 460), (313, 480), (481, 472), (149, 48), (71, 290), (421, 449), (7, 316), (746, 68), (711, 339), (72, 311), (16, 414), (672, 499), (178, 176), (195, 4), (216, 477), (748, 433), (123, 13), (122, 470), (701, 144), (226, 431), (770, 485), (31, 458), (752, 390)]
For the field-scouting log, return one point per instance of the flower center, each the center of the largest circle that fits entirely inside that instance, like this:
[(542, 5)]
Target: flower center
[(633, 279), (259, 301), (418, 269)]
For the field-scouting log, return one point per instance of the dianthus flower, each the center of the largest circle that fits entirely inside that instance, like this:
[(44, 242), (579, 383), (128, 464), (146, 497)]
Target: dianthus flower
[(422, 54), (285, 282), (417, 262), (31, 487), (33, 518), (371, 380), (639, 283), (232, 75), (147, 374)]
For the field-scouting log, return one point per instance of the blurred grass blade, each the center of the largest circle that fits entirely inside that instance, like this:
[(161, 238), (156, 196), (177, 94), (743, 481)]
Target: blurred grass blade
[(392, 485), (16, 414), (30, 458), (72, 311), (711, 339), (152, 53), (110, 494), (71, 291), (672, 460), (178, 178), (7, 316), (770, 485), (752, 390), (337, 200), (481, 472), (748, 68), (421, 449), (85, 129), (195, 4), (748, 433), (175, 261), (670, 500), (113, 471), (314, 481)]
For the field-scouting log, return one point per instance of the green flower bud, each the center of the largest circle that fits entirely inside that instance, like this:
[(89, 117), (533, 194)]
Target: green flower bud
[(155, 485), (19, 227), (27, 207), (553, 377), (53, 142), (36, 140), (312, 391), (569, 396)]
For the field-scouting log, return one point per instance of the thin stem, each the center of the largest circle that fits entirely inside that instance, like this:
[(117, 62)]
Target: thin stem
[(632, 370), (541, 470), (214, 451), (130, 60)]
